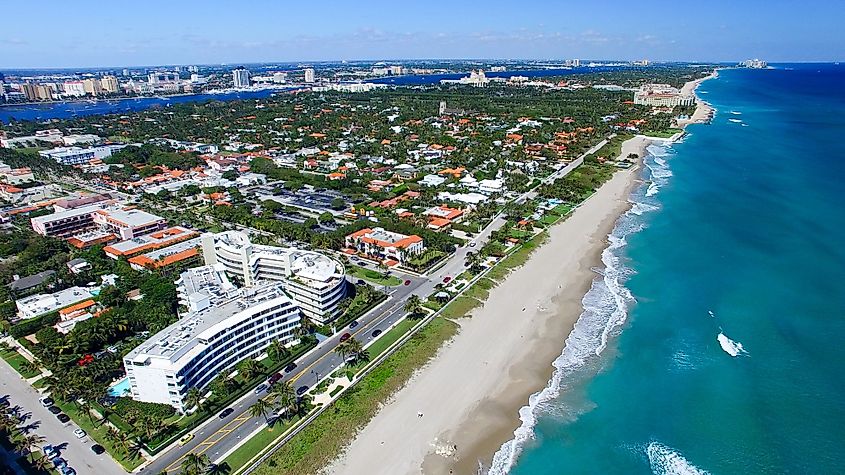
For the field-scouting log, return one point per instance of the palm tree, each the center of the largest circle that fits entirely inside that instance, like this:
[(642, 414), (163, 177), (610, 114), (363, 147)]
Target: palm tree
[(86, 408), (221, 468), (283, 394), (249, 368), (192, 398), (28, 443), (350, 347), (123, 441), (194, 464), (134, 450), (277, 351), (43, 463), (414, 305), (31, 367), (261, 408), (112, 435)]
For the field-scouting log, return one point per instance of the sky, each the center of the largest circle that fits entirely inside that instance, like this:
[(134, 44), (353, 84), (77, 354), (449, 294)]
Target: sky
[(88, 33)]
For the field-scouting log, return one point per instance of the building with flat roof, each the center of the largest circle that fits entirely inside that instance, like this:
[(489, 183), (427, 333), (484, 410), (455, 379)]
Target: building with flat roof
[(180, 252), (66, 223), (385, 245), (222, 326), (315, 281), (128, 223), (40, 304), (662, 95), (149, 242)]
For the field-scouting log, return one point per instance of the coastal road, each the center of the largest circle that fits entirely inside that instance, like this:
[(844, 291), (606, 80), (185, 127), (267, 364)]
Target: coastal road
[(77, 452), (218, 436)]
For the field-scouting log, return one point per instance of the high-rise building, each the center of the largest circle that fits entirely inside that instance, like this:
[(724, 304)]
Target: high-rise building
[(74, 88), (280, 77), (396, 70), (193, 69), (109, 84), (126, 72), (240, 77), (44, 92), (29, 90), (309, 74), (162, 77), (92, 86)]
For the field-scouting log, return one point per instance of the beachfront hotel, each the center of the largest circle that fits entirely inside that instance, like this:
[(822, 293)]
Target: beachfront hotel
[(222, 326), (385, 245), (316, 282), (661, 95)]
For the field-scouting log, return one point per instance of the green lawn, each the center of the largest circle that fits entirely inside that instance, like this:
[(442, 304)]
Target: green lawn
[(460, 307), (319, 443), (373, 276), (255, 445), (97, 432), (664, 134), (17, 361), (389, 337)]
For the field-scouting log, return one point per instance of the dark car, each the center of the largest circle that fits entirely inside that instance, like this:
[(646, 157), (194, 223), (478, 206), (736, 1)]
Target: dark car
[(63, 418), (276, 377), (226, 412), (290, 367), (98, 449), (361, 282), (54, 409), (446, 279), (375, 333), (345, 337), (353, 324), (408, 282), (301, 390)]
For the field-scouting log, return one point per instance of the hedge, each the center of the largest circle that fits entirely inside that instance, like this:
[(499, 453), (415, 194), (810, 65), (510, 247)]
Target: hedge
[(32, 325)]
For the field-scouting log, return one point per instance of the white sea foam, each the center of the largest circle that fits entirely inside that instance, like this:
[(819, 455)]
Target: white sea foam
[(736, 121), (665, 461), (733, 348), (736, 112), (605, 310), (713, 315)]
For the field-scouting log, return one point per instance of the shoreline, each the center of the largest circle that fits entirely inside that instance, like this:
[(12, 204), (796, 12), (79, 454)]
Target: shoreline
[(472, 384)]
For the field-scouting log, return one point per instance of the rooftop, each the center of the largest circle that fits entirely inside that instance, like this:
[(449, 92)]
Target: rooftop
[(149, 242)]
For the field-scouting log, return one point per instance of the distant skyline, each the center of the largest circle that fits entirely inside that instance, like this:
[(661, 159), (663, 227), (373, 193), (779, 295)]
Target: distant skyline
[(105, 34)]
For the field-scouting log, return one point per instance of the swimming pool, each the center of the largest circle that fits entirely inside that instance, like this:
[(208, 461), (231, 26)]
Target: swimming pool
[(120, 388)]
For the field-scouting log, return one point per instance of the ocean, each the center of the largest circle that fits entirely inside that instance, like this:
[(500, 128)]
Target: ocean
[(711, 343)]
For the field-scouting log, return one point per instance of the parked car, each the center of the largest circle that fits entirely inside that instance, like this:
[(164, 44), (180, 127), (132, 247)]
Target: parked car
[(46, 401), (408, 282), (98, 449), (261, 388), (79, 433), (361, 282), (226, 412), (54, 410), (50, 451), (345, 337), (301, 390), (375, 333), (63, 418), (353, 324)]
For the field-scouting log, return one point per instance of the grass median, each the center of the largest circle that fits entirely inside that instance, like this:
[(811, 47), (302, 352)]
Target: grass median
[(312, 449), (373, 276)]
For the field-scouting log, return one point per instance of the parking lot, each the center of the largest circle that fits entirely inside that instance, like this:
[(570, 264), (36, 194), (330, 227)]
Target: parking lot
[(37, 419)]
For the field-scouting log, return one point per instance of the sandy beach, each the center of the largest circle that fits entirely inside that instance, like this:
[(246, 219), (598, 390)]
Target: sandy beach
[(703, 111), (470, 394)]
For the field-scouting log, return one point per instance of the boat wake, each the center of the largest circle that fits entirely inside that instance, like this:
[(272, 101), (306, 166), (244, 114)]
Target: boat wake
[(733, 348), (605, 309), (665, 461)]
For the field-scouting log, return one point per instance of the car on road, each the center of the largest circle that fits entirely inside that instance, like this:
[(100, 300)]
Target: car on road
[(261, 388), (46, 401), (408, 282), (226, 413), (361, 282), (353, 324), (290, 367), (185, 439), (63, 418), (472, 244), (345, 337), (54, 410), (79, 433), (98, 449), (301, 390), (375, 333), (447, 279)]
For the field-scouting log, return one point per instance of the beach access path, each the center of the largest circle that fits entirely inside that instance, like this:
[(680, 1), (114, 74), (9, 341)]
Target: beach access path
[(470, 394)]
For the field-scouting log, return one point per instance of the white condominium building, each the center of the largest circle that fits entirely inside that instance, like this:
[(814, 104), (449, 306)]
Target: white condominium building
[(315, 281), (223, 326), (662, 95)]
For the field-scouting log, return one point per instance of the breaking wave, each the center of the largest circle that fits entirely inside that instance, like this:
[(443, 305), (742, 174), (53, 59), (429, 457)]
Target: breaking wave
[(665, 461), (605, 309)]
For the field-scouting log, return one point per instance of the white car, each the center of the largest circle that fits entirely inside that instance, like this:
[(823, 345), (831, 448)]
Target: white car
[(79, 433)]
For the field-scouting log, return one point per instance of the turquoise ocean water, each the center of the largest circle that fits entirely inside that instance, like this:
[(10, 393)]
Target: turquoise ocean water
[(740, 232)]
